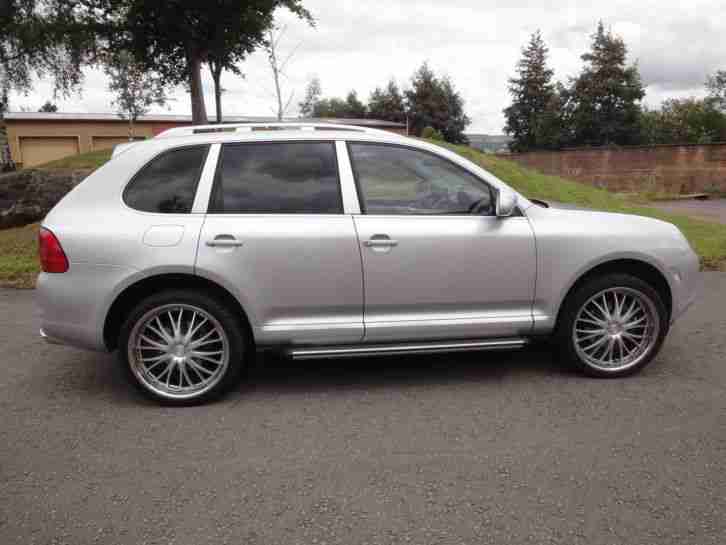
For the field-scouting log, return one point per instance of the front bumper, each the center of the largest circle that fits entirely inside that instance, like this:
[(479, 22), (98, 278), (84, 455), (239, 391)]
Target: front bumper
[(686, 282)]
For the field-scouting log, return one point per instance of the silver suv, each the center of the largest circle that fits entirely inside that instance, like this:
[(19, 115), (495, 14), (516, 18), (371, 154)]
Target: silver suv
[(190, 251)]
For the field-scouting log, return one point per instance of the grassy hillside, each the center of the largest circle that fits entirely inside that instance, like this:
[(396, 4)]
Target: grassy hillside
[(91, 160), (708, 239)]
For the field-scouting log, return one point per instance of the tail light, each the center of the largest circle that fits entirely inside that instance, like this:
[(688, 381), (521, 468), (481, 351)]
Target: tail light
[(52, 257)]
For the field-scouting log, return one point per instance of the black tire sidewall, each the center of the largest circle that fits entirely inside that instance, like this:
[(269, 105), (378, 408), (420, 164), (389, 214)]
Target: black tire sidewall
[(231, 324), (582, 294)]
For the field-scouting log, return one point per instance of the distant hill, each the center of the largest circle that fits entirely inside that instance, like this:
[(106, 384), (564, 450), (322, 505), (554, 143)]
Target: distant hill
[(490, 143)]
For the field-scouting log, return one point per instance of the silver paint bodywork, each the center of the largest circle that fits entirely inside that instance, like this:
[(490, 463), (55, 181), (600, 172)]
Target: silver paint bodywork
[(320, 280)]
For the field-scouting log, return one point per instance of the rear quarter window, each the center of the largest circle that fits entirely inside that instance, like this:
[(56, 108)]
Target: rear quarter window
[(168, 183)]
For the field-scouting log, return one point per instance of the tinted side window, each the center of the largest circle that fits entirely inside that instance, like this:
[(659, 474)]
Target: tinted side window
[(279, 178), (399, 180), (168, 183)]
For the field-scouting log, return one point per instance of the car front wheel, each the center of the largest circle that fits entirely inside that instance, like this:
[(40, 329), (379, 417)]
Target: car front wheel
[(612, 325), (182, 348)]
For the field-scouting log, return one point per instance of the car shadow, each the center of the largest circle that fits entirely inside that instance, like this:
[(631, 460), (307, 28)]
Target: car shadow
[(275, 373), (100, 376)]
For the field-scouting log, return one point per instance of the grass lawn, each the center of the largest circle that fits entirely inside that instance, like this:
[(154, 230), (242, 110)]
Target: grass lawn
[(18, 247), (19, 256)]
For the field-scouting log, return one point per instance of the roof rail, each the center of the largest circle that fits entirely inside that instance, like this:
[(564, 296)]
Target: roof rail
[(250, 127)]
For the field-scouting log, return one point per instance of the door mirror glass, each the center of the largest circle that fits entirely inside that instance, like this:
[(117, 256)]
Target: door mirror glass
[(506, 201)]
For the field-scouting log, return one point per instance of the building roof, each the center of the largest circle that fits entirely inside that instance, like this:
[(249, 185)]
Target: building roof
[(168, 118)]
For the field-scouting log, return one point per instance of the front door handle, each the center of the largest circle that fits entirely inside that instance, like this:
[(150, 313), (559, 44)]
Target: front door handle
[(224, 241), (380, 241)]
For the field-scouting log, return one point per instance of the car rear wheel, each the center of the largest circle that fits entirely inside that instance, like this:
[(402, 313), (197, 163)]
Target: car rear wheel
[(612, 326), (182, 348)]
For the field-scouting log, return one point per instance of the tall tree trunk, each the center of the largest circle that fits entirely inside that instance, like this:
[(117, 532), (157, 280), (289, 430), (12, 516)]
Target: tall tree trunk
[(199, 110), (216, 71), (272, 54)]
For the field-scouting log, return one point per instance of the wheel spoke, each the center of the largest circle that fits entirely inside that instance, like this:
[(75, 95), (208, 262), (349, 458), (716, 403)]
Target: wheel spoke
[(198, 367), (164, 333), (597, 320), (205, 358), (591, 335), (632, 309), (603, 311), (152, 342), (164, 358), (195, 353), (179, 321), (635, 324), (597, 343), (200, 342), (585, 320)]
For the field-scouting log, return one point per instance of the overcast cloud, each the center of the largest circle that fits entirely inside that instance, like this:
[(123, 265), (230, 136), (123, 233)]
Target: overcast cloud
[(359, 45)]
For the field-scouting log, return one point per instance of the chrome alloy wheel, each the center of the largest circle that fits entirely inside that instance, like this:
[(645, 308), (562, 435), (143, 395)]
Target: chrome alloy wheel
[(178, 351), (615, 329)]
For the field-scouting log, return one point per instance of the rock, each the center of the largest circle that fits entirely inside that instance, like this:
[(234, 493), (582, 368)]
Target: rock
[(28, 195)]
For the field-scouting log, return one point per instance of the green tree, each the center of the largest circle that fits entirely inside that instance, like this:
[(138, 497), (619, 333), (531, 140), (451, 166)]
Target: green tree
[(606, 96), (684, 121), (48, 107), (355, 108), (135, 88), (312, 96), (531, 119), (350, 107), (387, 104), (42, 39), (716, 87), (456, 120), (436, 103), (174, 38)]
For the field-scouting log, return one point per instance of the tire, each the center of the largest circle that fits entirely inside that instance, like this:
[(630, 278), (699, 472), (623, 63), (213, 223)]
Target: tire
[(193, 348), (598, 317)]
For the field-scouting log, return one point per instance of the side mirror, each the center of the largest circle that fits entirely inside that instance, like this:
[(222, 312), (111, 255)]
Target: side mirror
[(506, 201)]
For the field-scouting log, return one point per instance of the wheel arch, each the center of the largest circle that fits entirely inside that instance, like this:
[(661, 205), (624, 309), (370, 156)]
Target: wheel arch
[(135, 292), (639, 268)]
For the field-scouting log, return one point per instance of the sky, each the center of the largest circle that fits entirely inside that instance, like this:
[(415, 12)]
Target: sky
[(362, 44)]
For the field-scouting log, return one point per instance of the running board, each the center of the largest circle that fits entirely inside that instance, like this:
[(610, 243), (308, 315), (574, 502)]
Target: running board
[(406, 348)]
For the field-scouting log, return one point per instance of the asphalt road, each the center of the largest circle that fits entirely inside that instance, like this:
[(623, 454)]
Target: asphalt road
[(710, 210), (482, 448)]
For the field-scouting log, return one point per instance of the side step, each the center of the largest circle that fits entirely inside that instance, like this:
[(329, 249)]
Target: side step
[(355, 351)]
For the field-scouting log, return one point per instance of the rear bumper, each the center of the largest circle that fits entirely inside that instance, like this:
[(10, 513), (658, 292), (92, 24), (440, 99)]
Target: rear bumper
[(73, 305)]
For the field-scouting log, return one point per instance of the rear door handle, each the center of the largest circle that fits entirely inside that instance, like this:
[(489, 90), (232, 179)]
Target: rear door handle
[(224, 241)]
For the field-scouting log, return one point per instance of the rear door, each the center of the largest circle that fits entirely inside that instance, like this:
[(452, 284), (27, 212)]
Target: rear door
[(276, 234), (438, 264)]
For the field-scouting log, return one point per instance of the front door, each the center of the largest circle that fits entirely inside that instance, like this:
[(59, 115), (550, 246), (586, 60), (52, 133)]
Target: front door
[(275, 229), (437, 262)]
